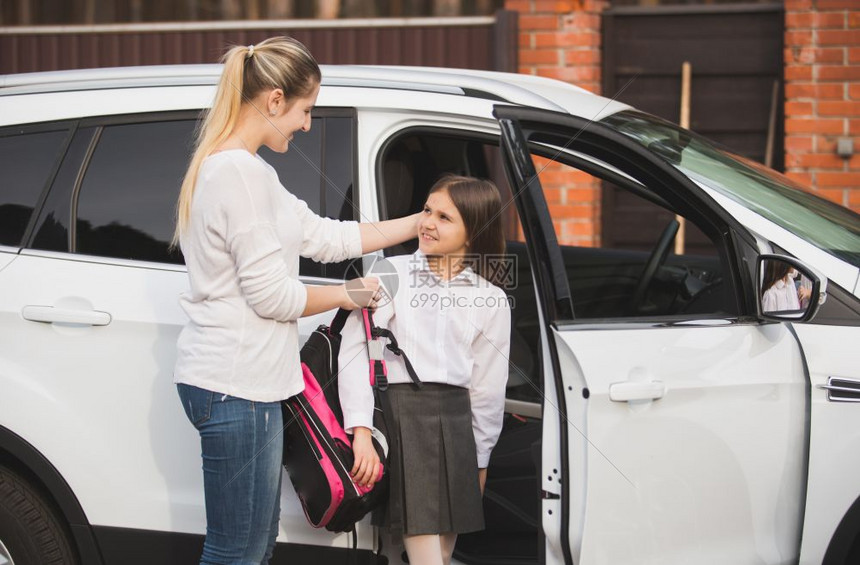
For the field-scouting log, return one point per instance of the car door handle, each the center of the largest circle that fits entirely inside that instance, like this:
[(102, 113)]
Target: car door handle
[(50, 315), (624, 392)]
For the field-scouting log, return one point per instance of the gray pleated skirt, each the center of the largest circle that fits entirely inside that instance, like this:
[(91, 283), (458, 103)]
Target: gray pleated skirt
[(434, 466)]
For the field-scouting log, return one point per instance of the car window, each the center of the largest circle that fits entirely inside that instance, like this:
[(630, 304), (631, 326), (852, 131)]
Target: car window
[(666, 266), (27, 161), (123, 203), (128, 194)]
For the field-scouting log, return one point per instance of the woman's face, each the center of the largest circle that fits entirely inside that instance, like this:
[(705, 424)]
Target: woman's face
[(441, 230), (290, 117)]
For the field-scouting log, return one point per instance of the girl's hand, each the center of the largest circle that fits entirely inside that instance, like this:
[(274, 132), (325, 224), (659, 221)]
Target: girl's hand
[(803, 293), (360, 293), (482, 478), (365, 471)]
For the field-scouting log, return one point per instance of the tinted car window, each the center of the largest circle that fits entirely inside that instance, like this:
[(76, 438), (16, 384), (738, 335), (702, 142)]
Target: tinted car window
[(27, 161), (126, 201)]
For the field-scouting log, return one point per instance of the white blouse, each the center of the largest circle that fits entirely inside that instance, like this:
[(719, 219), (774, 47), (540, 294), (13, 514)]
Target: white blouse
[(780, 296), (242, 250), (454, 332)]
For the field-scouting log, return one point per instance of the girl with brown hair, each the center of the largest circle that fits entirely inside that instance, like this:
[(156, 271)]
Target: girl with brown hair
[(454, 323)]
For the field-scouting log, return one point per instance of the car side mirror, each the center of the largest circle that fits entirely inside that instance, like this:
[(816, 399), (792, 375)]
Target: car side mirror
[(788, 290)]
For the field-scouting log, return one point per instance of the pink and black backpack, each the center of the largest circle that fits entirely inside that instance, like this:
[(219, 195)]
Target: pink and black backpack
[(317, 451)]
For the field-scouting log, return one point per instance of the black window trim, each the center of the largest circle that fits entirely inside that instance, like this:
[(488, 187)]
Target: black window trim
[(100, 122)]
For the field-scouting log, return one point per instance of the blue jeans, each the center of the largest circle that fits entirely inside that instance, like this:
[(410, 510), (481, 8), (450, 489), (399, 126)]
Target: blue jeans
[(242, 445)]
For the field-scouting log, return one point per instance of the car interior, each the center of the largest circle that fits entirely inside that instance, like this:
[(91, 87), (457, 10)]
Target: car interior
[(634, 273)]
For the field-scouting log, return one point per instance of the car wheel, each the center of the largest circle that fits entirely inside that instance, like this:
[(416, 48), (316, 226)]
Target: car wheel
[(31, 533)]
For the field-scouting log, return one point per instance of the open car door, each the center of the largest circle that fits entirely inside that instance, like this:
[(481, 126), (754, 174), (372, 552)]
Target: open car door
[(672, 434)]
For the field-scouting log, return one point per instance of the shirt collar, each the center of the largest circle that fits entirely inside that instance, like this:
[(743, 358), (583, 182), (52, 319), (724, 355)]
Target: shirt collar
[(418, 263)]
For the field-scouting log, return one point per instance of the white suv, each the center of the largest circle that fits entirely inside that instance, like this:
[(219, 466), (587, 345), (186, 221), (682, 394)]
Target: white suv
[(655, 414)]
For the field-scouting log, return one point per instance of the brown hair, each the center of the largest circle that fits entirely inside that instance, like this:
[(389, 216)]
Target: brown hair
[(774, 270), (480, 206), (277, 62)]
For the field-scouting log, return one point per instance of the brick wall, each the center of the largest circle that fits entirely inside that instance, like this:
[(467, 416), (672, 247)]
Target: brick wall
[(562, 40), (822, 96)]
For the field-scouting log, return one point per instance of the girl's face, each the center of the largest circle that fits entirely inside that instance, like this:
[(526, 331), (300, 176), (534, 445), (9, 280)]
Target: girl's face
[(290, 119), (441, 230)]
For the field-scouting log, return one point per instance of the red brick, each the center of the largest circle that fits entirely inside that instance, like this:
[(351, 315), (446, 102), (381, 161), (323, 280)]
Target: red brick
[(854, 19), (791, 5), (571, 74), (838, 179), (595, 5), (854, 91), (798, 144), (796, 20), (582, 57), (839, 37), (824, 144), (830, 20), (854, 55), (581, 21), (540, 57), (561, 212), (804, 179), (815, 161), (583, 228), (566, 39), (833, 194), (538, 22), (810, 55), (552, 195), (798, 38), (812, 90), (832, 126), (553, 176), (798, 72), (836, 4), (518, 5), (854, 127), (854, 199), (841, 72), (829, 108), (581, 195), (798, 109), (555, 7)]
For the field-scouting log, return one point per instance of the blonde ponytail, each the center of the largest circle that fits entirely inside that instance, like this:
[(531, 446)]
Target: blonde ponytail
[(277, 62)]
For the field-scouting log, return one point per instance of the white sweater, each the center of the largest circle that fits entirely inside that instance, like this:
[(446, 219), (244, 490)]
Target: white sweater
[(242, 248)]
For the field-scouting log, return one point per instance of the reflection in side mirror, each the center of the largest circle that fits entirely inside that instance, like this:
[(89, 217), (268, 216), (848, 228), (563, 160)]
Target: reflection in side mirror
[(788, 289)]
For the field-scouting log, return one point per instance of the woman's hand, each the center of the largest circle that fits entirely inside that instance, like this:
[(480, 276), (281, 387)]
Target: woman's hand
[(365, 471), (360, 293), (803, 293)]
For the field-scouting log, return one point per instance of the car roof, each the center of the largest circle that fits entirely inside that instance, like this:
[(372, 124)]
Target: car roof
[(526, 90)]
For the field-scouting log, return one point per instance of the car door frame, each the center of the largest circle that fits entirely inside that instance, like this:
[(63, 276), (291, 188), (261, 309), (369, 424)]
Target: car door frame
[(552, 287)]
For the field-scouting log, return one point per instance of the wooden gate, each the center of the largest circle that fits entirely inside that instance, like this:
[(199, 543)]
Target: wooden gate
[(487, 43), (736, 53)]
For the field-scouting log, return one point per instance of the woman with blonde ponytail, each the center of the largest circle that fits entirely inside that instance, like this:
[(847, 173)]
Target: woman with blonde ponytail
[(242, 233)]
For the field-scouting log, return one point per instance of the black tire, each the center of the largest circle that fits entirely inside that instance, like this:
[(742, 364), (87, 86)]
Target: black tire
[(30, 528)]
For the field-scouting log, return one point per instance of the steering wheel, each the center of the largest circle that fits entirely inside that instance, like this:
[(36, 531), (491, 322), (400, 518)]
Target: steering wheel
[(658, 255)]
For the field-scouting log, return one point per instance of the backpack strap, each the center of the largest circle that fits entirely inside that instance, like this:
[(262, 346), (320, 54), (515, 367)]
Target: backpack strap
[(336, 326), (378, 369)]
